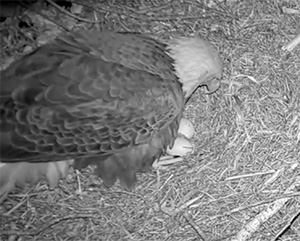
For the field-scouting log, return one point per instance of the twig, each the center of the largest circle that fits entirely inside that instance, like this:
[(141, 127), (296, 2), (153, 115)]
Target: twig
[(291, 45), (154, 18), (187, 204), (235, 210), (252, 226), (155, 9), (287, 226), (70, 14), (52, 21), (78, 181), (191, 222), (142, 14), (43, 15), (174, 17), (250, 175), (16, 207)]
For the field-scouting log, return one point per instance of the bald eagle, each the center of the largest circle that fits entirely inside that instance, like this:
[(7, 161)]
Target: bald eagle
[(106, 99)]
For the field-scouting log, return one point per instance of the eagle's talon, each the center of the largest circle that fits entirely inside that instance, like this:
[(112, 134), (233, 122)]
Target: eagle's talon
[(164, 161)]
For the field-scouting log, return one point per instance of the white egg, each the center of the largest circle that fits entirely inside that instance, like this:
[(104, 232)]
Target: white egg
[(186, 128), (182, 147)]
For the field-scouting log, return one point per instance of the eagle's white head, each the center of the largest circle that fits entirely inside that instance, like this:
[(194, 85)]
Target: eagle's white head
[(197, 63)]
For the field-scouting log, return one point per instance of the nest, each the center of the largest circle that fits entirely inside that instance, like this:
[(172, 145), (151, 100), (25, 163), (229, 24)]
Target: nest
[(241, 183)]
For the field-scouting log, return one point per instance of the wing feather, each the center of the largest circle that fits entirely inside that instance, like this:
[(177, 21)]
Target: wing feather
[(87, 94)]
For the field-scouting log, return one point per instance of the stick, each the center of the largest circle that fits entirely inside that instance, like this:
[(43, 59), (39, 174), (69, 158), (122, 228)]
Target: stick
[(191, 222), (287, 226), (251, 227), (291, 45)]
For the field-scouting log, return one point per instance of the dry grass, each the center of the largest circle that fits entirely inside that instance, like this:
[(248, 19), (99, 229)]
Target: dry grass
[(246, 166)]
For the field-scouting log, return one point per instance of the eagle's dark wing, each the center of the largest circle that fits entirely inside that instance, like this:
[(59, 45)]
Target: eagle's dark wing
[(103, 98)]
